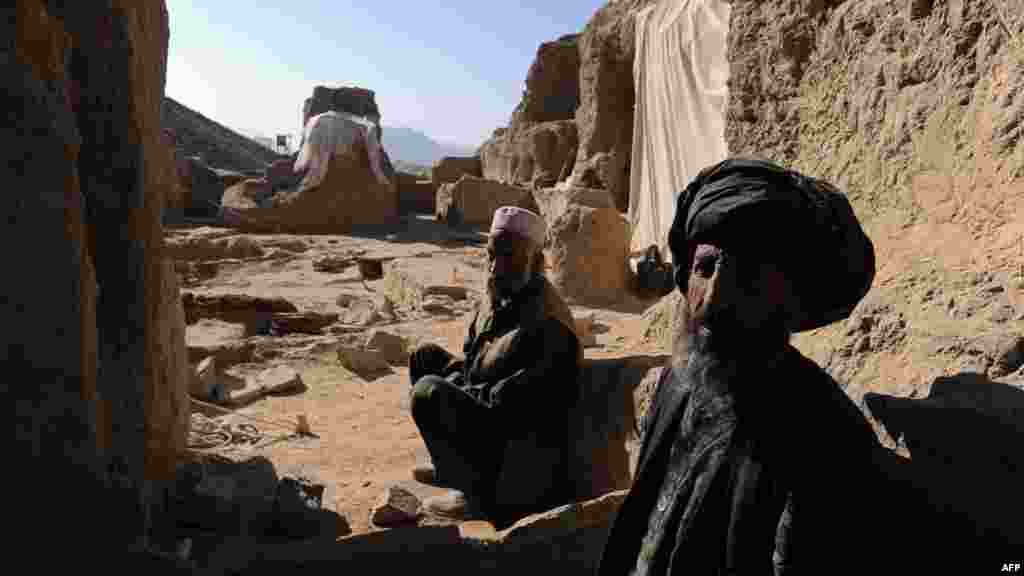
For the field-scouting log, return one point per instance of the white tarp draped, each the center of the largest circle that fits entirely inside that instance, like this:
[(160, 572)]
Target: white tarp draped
[(680, 73), (336, 133)]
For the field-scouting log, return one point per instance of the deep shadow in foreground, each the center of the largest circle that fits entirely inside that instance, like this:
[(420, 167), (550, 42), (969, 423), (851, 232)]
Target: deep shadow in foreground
[(964, 441), (413, 550)]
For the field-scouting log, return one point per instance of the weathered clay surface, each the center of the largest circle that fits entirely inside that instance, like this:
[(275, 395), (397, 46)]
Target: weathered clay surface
[(476, 199), (538, 148), (913, 109), (587, 251)]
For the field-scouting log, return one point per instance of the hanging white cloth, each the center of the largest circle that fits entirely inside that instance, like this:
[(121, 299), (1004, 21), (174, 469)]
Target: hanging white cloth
[(680, 74)]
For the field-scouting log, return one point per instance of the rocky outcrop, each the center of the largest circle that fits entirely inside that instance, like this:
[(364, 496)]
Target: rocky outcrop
[(537, 155), (552, 83), (604, 118), (914, 110), (93, 331), (539, 146), (216, 144)]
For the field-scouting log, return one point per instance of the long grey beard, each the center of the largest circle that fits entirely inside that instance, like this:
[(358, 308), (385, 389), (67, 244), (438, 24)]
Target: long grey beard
[(753, 349)]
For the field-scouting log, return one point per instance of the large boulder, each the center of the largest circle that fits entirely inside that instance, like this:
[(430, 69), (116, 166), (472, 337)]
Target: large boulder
[(449, 169), (476, 199), (587, 246), (93, 331)]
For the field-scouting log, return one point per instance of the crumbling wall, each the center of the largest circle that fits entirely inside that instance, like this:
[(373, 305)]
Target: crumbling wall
[(98, 420)]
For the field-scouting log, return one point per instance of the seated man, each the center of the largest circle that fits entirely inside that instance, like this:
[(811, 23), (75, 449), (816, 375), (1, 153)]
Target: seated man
[(518, 374), (749, 448)]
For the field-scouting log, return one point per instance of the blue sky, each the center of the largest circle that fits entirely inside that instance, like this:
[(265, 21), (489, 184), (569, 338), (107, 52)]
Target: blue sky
[(453, 69)]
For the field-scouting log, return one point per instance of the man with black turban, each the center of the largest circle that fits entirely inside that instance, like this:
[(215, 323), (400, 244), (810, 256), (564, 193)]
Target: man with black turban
[(753, 460)]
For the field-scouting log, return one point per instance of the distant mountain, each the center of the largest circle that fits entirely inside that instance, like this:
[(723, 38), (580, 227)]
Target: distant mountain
[(414, 147)]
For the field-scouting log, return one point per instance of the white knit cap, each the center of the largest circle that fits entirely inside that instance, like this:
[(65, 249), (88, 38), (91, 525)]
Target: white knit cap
[(519, 221)]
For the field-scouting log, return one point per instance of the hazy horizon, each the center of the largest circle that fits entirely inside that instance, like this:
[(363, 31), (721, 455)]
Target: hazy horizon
[(452, 70)]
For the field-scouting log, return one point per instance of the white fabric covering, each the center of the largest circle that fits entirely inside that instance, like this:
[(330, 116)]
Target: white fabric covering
[(335, 133), (680, 74)]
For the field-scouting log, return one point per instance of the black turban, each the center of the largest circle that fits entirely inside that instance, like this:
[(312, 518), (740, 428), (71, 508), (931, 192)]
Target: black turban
[(803, 224)]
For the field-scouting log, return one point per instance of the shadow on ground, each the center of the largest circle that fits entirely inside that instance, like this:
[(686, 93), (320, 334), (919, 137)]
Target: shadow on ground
[(964, 441)]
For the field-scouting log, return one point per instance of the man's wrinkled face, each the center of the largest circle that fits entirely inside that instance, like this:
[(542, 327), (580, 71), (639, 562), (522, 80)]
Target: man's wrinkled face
[(510, 262), (729, 294)]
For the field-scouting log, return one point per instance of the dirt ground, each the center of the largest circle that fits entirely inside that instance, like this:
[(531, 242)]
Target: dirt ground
[(366, 437)]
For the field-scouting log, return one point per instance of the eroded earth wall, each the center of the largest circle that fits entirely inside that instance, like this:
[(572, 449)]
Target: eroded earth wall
[(92, 356), (916, 110)]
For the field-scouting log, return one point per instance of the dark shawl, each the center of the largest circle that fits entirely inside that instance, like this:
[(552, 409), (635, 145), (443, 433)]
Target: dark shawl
[(746, 440)]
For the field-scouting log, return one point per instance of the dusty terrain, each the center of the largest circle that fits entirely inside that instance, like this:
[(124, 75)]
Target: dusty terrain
[(366, 438)]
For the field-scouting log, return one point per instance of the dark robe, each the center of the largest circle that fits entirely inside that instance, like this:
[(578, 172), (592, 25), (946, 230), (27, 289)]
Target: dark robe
[(728, 446), (518, 377)]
